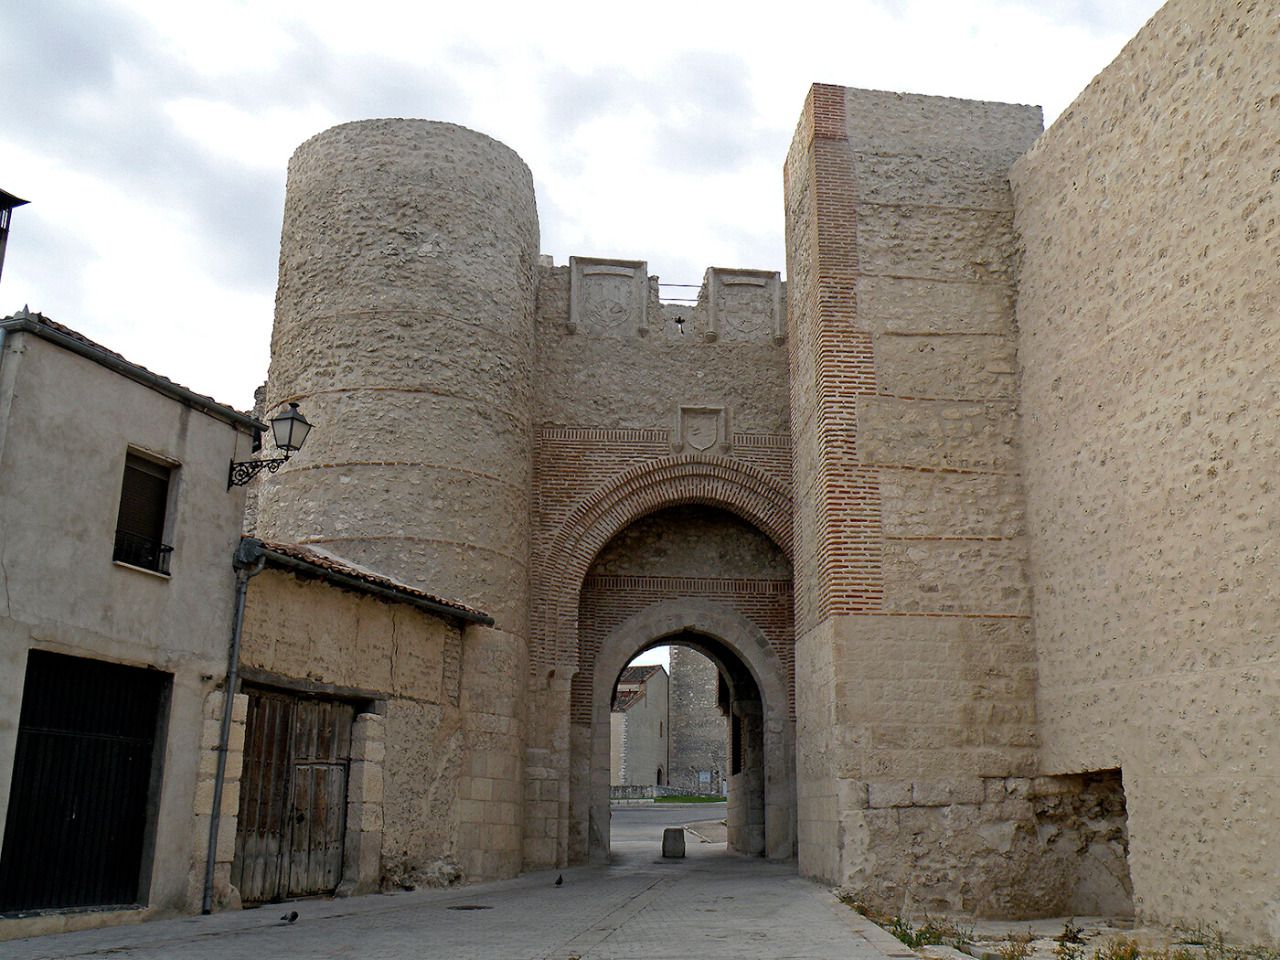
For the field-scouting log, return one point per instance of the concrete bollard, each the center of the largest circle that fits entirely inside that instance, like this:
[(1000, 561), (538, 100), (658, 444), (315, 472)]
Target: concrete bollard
[(673, 842)]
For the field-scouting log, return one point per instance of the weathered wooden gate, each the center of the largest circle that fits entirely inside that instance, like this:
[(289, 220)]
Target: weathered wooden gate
[(293, 796), (84, 779)]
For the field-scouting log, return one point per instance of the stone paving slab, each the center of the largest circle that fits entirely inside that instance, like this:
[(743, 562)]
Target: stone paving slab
[(711, 905)]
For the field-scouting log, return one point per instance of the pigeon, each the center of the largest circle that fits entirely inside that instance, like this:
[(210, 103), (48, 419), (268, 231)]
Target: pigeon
[(291, 916), (560, 880)]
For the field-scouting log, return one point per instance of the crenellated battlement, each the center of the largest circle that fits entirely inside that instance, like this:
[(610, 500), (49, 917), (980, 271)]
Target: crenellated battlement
[(619, 299)]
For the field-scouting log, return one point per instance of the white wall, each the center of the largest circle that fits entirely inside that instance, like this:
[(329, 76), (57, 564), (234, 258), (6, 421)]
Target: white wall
[(66, 424)]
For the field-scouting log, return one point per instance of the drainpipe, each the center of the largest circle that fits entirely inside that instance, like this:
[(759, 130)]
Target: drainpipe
[(248, 563)]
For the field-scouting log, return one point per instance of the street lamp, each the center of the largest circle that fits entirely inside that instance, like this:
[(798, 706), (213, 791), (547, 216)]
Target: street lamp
[(289, 430), (7, 202)]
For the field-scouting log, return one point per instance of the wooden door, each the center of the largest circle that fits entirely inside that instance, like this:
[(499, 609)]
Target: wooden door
[(318, 799), (293, 796)]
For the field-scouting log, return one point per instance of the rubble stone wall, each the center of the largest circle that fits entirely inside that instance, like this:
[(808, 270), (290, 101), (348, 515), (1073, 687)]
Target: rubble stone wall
[(404, 326), (699, 734), (1148, 305)]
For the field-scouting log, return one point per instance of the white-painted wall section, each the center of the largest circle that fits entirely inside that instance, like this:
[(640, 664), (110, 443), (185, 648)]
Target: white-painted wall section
[(66, 425)]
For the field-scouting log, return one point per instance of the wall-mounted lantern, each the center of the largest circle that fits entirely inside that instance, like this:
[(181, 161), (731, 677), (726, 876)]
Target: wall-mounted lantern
[(7, 203), (290, 431)]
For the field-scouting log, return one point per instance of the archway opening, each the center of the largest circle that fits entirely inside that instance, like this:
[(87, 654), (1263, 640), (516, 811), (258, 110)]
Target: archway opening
[(709, 584), (712, 742)]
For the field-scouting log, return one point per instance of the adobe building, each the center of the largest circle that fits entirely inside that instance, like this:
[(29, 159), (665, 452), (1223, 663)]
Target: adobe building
[(353, 726), (972, 514)]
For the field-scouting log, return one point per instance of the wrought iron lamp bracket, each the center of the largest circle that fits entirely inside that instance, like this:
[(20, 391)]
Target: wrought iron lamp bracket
[(242, 471)]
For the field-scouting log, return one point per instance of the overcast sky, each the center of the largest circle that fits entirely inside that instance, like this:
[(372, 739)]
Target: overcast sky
[(151, 136)]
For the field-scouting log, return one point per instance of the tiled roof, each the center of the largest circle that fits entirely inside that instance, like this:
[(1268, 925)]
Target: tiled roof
[(638, 674), (323, 560), (634, 679), (61, 331), (626, 699)]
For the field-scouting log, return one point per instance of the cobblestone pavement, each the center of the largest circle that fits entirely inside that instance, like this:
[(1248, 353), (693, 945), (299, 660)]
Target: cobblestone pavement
[(710, 905)]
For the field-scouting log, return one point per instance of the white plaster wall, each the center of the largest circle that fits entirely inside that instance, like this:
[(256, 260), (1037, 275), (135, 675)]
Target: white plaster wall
[(617, 754), (643, 734), (59, 498)]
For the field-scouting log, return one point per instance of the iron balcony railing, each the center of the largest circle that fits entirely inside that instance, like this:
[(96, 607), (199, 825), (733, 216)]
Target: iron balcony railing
[(142, 552)]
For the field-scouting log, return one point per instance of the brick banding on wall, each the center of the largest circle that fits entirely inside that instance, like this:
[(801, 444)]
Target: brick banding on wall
[(832, 365), (738, 487)]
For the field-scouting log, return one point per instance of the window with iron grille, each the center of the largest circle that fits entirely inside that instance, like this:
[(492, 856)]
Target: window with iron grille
[(140, 527)]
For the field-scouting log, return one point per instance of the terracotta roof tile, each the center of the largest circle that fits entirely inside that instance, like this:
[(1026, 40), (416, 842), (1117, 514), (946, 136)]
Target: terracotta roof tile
[(42, 320), (323, 559), (638, 674)]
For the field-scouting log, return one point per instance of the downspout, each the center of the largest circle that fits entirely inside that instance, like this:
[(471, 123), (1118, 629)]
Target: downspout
[(248, 562)]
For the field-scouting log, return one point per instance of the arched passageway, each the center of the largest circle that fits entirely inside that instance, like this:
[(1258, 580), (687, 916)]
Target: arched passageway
[(761, 811), (701, 569)]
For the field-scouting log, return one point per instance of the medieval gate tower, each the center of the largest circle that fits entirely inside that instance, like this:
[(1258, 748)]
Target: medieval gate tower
[(404, 320), (550, 444), (844, 490)]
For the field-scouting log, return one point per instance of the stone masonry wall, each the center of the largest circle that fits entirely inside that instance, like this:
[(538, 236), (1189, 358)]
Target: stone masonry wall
[(1065, 838), (611, 397), (404, 326), (912, 605), (689, 551), (1148, 306), (308, 631), (635, 416), (698, 727)]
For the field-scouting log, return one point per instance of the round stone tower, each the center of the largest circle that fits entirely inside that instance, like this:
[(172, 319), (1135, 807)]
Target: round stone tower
[(404, 329)]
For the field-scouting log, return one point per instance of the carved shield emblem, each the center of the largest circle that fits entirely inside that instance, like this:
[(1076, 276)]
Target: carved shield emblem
[(608, 302), (701, 428), (745, 310)]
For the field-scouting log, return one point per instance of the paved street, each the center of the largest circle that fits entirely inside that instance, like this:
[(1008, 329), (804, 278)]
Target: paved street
[(711, 905)]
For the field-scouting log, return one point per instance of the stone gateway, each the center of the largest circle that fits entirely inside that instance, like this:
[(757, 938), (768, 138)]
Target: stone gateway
[(973, 514)]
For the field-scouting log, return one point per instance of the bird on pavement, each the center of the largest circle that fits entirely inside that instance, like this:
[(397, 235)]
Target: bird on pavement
[(291, 916), (560, 880)]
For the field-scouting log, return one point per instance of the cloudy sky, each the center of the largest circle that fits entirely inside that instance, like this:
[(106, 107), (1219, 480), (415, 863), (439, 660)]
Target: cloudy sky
[(152, 136)]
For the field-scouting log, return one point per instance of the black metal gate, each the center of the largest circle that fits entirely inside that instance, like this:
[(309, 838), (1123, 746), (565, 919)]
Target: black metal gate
[(82, 784), (293, 796)]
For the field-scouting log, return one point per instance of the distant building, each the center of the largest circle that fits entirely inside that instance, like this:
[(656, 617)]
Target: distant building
[(638, 728), (699, 733)]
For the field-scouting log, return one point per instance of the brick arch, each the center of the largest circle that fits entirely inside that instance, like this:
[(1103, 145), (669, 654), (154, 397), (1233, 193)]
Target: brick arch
[(731, 485)]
